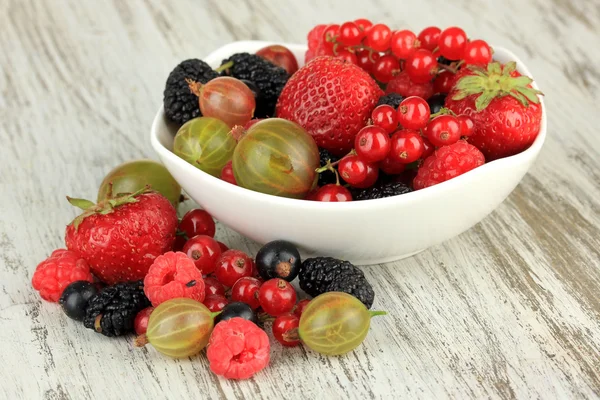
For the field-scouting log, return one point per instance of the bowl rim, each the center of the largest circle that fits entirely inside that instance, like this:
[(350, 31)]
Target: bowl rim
[(523, 157)]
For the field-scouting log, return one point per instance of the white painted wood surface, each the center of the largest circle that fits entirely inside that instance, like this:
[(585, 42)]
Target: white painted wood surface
[(510, 309)]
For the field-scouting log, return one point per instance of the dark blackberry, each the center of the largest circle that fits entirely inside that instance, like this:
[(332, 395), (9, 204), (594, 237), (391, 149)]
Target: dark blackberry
[(326, 274), (379, 192), (180, 103), (112, 311), (391, 99), (326, 177), (436, 102), (443, 60), (269, 78)]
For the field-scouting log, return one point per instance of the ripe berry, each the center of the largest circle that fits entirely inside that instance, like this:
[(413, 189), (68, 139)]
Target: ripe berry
[(197, 222), (466, 125), (404, 44), (285, 330), (372, 143), (58, 271), (372, 175), (223, 247), (233, 265), (350, 34), (403, 85), (333, 193), (213, 286), (407, 146), (443, 130), (277, 297), (421, 66), (379, 37), (204, 251), (385, 117), (366, 60), (300, 306), (246, 291), (278, 259), (353, 169), (413, 113), (74, 299), (428, 148), (443, 82), (140, 323), (385, 68), (227, 173), (330, 35), (363, 24), (346, 56), (215, 302), (236, 309), (452, 43), (391, 166), (477, 52), (429, 37)]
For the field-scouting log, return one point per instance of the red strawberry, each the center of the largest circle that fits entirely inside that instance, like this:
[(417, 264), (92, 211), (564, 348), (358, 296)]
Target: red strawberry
[(120, 237), (504, 107), (332, 99)]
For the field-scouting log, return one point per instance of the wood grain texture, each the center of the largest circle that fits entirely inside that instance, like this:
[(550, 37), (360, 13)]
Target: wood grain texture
[(510, 309)]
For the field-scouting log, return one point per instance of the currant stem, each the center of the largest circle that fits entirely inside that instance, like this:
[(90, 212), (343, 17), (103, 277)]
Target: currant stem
[(225, 66)]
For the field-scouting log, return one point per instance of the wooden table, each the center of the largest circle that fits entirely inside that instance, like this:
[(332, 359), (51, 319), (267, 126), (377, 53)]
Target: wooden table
[(510, 309)]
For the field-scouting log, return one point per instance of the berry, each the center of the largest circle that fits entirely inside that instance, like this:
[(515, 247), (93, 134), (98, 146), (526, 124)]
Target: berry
[(327, 176), (180, 240), (112, 311), (372, 143), (436, 102), (277, 297), (446, 163), (238, 349), (407, 146), (443, 82), (443, 130), (325, 274), (333, 192), (413, 113), (316, 46), (385, 68), (421, 66), (391, 166), (173, 275), (404, 44), (428, 38), (269, 78), (452, 42), (477, 52), (300, 306), (204, 251), (133, 230), (227, 173), (236, 309), (379, 37), (223, 247), (384, 116), (246, 290), (428, 148), (466, 125), (180, 104), (353, 169), (233, 265), (347, 56), (505, 110), (330, 35), (75, 297), (58, 271), (197, 222), (278, 259), (403, 85), (372, 175), (320, 99), (285, 330), (350, 34), (379, 192), (363, 24), (213, 286), (281, 56), (366, 60), (391, 99), (215, 302), (140, 323)]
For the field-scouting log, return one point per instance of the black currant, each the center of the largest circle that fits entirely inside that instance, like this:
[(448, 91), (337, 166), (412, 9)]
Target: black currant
[(436, 102), (236, 309), (75, 297), (278, 259)]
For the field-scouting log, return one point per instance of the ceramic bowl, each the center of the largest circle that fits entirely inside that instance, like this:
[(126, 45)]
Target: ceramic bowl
[(363, 232)]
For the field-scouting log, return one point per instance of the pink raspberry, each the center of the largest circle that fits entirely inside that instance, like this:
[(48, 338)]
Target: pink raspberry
[(238, 349), (448, 162), (315, 44), (403, 85), (173, 275), (58, 271)]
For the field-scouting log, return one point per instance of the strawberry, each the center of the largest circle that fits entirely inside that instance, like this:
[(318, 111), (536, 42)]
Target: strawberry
[(120, 237), (332, 99), (504, 107)]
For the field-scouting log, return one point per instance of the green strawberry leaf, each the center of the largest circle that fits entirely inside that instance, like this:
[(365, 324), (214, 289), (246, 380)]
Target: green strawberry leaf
[(81, 203)]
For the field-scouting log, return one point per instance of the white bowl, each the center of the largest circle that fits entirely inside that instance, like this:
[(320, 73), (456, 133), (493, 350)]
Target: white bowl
[(363, 232)]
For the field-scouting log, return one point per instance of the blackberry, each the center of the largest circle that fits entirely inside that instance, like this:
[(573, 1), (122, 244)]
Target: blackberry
[(180, 103), (326, 177), (326, 274), (443, 60), (269, 78), (436, 102), (379, 192), (391, 99), (112, 311)]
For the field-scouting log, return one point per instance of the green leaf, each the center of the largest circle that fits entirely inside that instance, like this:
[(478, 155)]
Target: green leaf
[(485, 99), (530, 94), (522, 81), (520, 98), (81, 203), (510, 67), (494, 68)]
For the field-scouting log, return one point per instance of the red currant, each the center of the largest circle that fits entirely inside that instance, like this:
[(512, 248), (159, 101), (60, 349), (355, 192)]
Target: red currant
[(407, 146), (353, 169), (413, 113), (404, 44), (385, 68), (333, 193), (385, 117), (443, 82), (285, 330), (346, 56), (299, 308), (443, 130), (402, 84), (204, 251), (363, 24), (452, 43), (223, 247), (379, 37), (213, 286), (246, 291), (372, 175), (372, 143), (215, 302), (466, 125), (428, 148), (477, 52), (429, 37), (233, 265), (330, 35), (350, 34), (366, 60), (140, 323), (197, 222), (390, 166), (421, 66), (277, 297), (227, 173)]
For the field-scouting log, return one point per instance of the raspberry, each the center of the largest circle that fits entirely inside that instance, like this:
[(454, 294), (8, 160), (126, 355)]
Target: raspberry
[(173, 275), (403, 85), (316, 46), (58, 271), (448, 162), (238, 349)]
